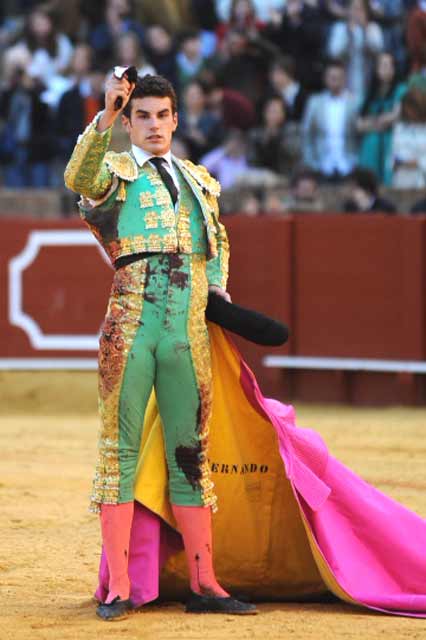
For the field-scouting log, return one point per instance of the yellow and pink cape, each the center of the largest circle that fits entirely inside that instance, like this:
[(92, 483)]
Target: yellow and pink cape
[(293, 522)]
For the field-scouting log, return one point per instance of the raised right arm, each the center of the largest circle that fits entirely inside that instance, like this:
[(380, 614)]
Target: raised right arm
[(86, 173)]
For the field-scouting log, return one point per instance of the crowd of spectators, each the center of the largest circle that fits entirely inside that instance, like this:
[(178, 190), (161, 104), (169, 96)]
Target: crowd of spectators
[(307, 91)]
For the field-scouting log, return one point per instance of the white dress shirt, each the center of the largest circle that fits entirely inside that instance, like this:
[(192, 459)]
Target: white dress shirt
[(142, 156), (335, 131)]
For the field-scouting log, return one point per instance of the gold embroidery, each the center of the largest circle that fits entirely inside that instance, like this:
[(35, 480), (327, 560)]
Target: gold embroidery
[(137, 244), (121, 195), (153, 242), (122, 165), (162, 198), (184, 229), (151, 220), (86, 173), (184, 212), (155, 180), (126, 244), (168, 219), (146, 199), (118, 332), (169, 242), (223, 255), (201, 357), (202, 176)]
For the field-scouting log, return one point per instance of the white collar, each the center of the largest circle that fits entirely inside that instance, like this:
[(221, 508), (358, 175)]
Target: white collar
[(142, 156)]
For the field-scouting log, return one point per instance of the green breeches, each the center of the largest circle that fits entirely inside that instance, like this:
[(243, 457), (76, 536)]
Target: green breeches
[(155, 336)]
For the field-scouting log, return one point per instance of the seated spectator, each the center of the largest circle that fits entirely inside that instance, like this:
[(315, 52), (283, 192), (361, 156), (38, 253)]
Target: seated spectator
[(379, 113), (25, 141), (79, 105), (284, 83), (329, 127), (250, 204), (200, 129), (357, 41), (416, 34), (409, 143), (419, 207), (231, 107), (190, 59), (42, 51), (118, 19), (161, 53), (229, 161), (299, 35), (269, 146), (304, 193), (272, 203), (364, 194), (128, 53), (244, 62)]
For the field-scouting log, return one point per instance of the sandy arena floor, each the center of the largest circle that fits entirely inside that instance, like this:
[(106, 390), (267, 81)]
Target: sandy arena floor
[(50, 544)]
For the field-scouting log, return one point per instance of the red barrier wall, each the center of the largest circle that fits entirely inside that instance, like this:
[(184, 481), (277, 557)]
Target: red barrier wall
[(346, 286), (64, 288)]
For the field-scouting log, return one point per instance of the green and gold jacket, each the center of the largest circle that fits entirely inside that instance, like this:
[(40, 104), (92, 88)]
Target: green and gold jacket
[(129, 209)]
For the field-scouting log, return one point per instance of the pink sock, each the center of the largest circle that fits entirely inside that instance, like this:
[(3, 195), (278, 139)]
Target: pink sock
[(116, 523), (196, 528)]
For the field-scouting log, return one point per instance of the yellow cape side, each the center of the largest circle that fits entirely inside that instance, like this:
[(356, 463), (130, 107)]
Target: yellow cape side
[(262, 545)]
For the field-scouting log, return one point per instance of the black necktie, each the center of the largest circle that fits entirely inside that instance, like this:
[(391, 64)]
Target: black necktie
[(166, 177)]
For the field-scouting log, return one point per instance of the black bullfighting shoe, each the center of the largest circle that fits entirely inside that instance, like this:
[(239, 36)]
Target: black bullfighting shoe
[(115, 610), (214, 604)]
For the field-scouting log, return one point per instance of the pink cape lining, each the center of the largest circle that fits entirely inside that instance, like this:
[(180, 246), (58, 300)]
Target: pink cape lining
[(374, 547)]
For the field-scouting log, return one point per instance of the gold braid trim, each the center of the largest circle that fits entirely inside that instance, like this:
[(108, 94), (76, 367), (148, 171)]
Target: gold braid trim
[(218, 267), (118, 332), (203, 177), (201, 358)]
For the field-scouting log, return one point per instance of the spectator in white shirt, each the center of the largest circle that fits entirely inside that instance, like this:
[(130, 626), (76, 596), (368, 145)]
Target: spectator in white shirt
[(409, 143), (329, 127)]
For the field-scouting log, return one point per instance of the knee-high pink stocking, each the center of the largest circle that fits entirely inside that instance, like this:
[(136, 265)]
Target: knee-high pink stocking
[(196, 528), (116, 523)]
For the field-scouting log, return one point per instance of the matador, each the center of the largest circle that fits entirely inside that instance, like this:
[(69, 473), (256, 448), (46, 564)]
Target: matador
[(156, 217)]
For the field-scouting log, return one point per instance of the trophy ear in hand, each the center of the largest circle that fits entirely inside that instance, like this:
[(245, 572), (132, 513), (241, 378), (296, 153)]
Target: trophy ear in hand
[(131, 74)]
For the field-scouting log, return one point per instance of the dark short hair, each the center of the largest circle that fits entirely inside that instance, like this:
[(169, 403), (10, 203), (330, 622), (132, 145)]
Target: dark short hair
[(335, 63), (188, 34), (365, 179), (148, 86)]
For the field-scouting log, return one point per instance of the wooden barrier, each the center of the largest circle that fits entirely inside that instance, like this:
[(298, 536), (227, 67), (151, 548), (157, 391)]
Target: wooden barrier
[(348, 286)]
